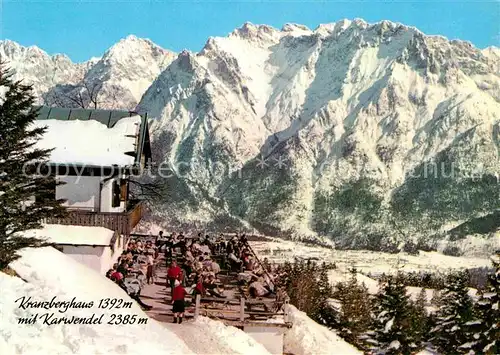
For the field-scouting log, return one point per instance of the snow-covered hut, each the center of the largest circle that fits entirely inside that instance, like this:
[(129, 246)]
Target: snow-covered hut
[(96, 247), (94, 154)]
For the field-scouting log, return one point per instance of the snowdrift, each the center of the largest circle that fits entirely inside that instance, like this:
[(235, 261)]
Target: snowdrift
[(74, 235), (215, 338), (307, 337), (49, 274), (65, 279), (336, 276)]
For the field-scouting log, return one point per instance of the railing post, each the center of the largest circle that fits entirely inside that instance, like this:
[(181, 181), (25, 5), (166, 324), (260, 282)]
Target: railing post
[(197, 306), (285, 311), (242, 309)]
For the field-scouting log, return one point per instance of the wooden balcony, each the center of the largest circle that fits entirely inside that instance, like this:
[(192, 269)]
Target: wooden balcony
[(122, 222)]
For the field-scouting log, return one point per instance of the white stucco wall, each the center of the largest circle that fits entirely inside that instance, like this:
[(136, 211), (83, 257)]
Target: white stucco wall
[(98, 258), (87, 255), (270, 337), (79, 191), (83, 192)]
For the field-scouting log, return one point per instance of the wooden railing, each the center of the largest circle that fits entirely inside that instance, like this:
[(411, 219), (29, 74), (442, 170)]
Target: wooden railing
[(121, 222), (238, 310), (135, 215)]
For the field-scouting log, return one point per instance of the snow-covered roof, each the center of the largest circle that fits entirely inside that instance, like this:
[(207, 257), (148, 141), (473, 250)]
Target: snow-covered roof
[(89, 142), (74, 235), (93, 138)]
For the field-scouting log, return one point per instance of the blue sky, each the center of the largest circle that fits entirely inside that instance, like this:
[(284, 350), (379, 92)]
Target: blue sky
[(86, 28)]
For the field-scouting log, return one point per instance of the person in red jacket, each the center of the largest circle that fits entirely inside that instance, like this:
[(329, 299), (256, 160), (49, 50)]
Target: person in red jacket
[(180, 277), (116, 276), (178, 301), (199, 289), (173, 273)]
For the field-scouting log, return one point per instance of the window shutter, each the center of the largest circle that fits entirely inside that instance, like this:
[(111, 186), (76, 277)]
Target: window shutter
[(123, 190)]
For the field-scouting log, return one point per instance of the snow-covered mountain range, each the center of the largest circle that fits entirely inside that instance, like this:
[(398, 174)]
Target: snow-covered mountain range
[(123, 73), (371, 134)]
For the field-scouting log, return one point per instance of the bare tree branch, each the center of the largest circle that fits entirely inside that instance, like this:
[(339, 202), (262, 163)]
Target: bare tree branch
[(85, 95), (152, 190)]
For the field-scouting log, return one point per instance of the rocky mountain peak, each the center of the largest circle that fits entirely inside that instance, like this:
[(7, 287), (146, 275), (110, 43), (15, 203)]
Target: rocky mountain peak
[(255, 33), (345, 105), (292, 27), (126, 70)]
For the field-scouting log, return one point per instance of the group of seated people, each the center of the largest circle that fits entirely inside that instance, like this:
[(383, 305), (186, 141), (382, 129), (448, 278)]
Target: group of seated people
[(200, 260), (201, 270), (258, 276), (198, 269), (135, 267)]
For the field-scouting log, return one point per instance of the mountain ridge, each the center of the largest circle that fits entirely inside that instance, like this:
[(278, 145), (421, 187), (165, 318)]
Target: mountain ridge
[(123, 72), (322, 132)]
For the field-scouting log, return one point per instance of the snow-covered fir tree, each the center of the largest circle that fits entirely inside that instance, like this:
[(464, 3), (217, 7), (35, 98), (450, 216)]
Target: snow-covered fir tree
[(394, 331), (325, 288), (25, 197), (354, 319), (488, 309), (421, 321), (325, 314), (455, 317)]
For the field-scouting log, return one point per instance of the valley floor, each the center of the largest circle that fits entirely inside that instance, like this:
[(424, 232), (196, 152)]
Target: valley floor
[(279, 251)]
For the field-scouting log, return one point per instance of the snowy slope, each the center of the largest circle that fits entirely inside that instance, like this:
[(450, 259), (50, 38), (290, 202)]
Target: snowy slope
[(65, 278), (308, 337), (36, 67), (129, 67), (123, 73)]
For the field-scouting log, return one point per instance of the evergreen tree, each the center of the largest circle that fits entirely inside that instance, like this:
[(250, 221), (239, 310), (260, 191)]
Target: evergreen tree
[(308, 287), (354, 319), (325, 288), (25, 197), (437, 299), (488, 309), (393, 332), (421, 323), (455, 316), (326, 315)]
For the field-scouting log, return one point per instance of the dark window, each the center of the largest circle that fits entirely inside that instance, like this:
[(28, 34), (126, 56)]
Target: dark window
[(115, 201)]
